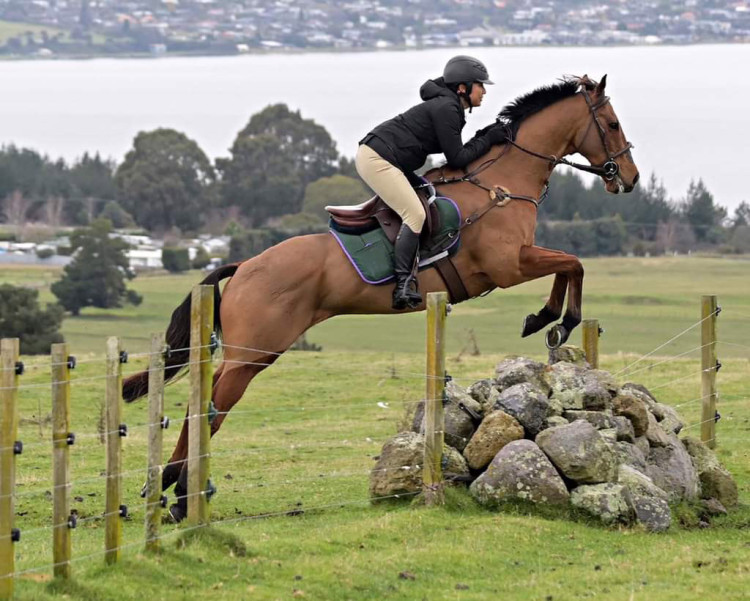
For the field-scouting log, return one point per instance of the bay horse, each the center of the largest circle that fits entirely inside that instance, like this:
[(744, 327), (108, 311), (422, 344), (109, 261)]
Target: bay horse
[(273, 298)]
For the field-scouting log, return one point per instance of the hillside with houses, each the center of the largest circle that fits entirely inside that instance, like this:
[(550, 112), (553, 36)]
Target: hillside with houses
[(127, 27)]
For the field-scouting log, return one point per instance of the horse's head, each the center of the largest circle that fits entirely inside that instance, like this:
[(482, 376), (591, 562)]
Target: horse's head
[(600, 138)]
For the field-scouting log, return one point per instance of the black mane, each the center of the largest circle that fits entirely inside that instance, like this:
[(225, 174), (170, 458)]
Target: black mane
[(529, 104)]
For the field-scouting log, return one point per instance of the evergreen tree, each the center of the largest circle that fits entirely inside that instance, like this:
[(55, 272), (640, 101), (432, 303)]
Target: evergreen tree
[(273, 159), (702, 213), (741, 215), (22, 317), (165, 181), (96, 277)]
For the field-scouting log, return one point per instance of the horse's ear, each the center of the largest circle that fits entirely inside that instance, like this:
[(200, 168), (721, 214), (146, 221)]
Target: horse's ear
[(602, 85)]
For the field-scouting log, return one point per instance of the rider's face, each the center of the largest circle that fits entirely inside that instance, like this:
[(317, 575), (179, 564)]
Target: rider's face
[(477, 93)]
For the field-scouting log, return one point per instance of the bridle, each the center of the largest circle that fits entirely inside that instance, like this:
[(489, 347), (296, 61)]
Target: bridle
[(610, 169)]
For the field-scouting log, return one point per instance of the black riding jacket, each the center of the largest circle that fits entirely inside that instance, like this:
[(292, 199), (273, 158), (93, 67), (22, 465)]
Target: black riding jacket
[(430, 127)]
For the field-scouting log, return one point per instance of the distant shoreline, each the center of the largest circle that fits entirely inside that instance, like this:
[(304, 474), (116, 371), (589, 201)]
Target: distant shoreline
[(298, 51)]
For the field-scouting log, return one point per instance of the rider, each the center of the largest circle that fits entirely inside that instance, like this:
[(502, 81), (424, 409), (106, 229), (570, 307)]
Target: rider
[(389, 154)]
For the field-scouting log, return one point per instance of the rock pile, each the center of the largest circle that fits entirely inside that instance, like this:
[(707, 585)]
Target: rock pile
[(563, 434)]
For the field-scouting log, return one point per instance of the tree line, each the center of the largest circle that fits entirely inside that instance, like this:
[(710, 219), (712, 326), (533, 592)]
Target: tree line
[(281, 171)]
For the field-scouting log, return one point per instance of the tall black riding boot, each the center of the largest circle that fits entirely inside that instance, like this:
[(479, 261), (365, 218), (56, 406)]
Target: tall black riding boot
[(405, 294)]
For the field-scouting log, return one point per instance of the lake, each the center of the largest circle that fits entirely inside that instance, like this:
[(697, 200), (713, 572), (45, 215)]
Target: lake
[(684, 108)]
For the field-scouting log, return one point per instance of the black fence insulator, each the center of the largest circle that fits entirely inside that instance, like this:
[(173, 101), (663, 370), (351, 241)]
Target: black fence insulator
[(123, 356), (144, 490), (448, 377), (71, 362), (601, 331), (210, 490), (70, 439), (18, 447), (123, 511), (73, 519), (717, 417), (214, 344), (164, 422), (163, 501), (718, 365), (167, 351), (718, 310), (212, 412), (15, 535), (122, 430), (19, 368)]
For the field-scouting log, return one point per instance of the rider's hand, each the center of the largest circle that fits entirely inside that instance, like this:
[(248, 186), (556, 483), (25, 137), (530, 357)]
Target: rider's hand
[(497, 134)]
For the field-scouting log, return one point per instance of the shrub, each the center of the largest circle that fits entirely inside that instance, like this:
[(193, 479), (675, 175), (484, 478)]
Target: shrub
[(175, 259)]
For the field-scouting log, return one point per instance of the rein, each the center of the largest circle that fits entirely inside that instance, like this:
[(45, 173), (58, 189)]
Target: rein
[(500, 196)]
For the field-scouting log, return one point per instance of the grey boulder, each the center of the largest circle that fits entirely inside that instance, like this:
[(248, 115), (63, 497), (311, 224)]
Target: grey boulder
[(655, 434), (716, 481), (520, 471), (399, 468), (459, 415), (519, 370), (671, 469), (609, 502), (580, 388), (579, 452), (528, 404), (624, 428), (650, 503)]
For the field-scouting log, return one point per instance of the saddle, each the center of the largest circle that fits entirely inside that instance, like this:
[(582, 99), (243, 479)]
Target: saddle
[(367, 232), (375, 213)]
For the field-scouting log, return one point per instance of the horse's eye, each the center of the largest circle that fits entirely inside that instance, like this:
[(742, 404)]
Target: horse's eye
[(614, 126)]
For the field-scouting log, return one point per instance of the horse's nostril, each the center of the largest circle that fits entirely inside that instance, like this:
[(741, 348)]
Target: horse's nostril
[(636, 178)]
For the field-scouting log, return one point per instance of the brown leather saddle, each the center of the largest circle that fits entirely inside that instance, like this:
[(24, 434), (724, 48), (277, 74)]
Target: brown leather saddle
[(375, 213)]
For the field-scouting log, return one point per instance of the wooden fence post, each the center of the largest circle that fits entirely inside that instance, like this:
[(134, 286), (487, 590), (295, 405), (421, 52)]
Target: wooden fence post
[(8, 450), (434, 425), (199, 428), (155, 439), (114, 509), (61, 539), (591, 342), (709, 367)]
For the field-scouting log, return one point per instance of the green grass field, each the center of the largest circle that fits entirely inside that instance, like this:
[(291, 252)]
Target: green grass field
[(304, 437), (641, 303)]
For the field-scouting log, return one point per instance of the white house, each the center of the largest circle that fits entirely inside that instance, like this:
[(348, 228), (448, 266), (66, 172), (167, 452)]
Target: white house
[(144, 259)]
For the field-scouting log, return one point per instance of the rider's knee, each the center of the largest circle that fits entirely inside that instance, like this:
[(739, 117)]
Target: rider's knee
[(415, 220)]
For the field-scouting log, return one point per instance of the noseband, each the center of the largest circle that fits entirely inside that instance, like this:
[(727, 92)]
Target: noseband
[(610, 169)]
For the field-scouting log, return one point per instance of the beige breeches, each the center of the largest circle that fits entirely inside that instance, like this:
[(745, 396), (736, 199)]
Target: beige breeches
[(391, 185)]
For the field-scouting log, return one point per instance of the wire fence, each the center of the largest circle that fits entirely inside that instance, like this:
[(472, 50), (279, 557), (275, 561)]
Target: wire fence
[(356, 467)]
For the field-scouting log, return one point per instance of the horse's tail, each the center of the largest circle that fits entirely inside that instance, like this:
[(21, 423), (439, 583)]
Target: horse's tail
[(178, 337)]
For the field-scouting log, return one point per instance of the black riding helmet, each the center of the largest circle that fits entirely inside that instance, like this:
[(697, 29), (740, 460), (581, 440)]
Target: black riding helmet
[(465, 70)]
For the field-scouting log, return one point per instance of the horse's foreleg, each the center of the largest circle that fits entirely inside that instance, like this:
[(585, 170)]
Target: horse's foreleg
[(536, 262), (551, 311)]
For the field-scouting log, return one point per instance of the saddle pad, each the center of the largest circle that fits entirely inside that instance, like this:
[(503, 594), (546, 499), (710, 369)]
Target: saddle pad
[(371, 253)]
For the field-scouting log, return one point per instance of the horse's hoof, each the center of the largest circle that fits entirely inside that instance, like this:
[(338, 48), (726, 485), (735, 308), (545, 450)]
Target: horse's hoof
[(556, 336), (530, 326), (177, 513)]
